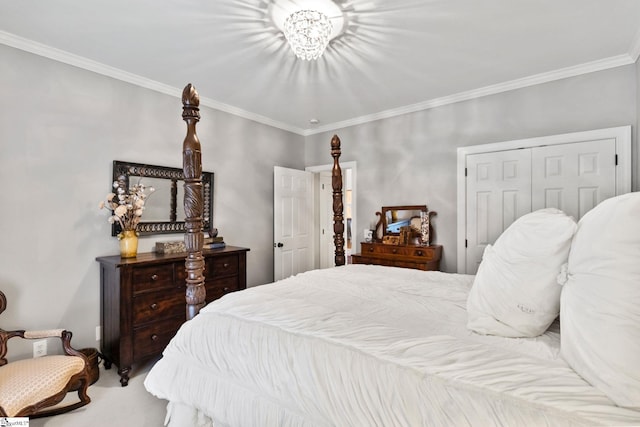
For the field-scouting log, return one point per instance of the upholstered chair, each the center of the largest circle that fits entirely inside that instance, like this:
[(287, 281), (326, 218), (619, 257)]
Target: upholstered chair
[(33, 387)]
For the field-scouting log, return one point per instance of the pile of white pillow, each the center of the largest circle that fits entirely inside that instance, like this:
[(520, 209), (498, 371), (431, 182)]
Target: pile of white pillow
[(545, 265)]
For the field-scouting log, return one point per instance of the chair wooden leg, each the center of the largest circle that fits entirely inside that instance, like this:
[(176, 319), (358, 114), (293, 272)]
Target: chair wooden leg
[(84, 399)]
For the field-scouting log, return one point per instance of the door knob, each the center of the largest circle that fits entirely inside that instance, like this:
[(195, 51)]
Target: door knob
[(279, 245)]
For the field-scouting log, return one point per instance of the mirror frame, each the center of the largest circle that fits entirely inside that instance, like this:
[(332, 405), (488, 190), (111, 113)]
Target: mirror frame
[(123, 170), (381, 226)]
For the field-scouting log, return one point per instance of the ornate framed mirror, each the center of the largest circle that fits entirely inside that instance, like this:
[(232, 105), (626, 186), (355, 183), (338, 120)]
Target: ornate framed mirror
[(164, 210), (392, 218)]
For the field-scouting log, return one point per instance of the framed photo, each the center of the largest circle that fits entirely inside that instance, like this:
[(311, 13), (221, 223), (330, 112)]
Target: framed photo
[(390, 240)]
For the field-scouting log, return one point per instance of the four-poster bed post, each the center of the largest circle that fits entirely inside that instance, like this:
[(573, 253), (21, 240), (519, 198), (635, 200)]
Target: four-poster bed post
[(338, 217), (193, 203)]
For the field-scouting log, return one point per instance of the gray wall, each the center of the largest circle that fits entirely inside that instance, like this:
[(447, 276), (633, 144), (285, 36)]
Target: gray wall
[(411, 159), (60, 129)]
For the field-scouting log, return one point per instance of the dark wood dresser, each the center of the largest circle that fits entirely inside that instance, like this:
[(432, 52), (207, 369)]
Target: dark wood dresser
[(407, 256), (143, 300)]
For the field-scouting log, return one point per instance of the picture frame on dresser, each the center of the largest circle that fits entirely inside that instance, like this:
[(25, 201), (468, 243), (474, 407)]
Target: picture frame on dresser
[(391, 240)]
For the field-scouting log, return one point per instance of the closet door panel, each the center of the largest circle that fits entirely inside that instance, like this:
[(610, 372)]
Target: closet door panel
[(498, 192), (573, 177)]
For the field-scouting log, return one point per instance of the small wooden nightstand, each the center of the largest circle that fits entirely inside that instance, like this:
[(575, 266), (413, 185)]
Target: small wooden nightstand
[(406, 256)]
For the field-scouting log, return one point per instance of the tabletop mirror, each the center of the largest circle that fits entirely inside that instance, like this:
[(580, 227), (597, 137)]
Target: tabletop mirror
[(164, 210), (392, 219)]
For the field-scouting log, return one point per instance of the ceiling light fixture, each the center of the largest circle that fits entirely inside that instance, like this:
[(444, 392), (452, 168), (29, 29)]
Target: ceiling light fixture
[(308, 25), (307, 32)]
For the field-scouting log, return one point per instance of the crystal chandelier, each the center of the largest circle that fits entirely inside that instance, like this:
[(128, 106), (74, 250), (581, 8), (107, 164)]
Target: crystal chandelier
[(308, 33)]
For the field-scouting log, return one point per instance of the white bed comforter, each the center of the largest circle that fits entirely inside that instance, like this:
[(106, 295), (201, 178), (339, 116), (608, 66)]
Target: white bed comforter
[(367, 346)]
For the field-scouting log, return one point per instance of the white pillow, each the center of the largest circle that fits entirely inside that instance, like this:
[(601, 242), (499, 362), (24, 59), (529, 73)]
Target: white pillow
[(515, 292), (600, 303)]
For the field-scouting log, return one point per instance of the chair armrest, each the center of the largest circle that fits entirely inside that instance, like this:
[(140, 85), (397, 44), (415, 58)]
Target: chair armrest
[(63, 334), (66, 346), (49, 333)]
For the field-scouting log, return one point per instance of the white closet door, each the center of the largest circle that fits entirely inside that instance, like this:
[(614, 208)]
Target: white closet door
[(573, 177), (573, 172), (498, 192)]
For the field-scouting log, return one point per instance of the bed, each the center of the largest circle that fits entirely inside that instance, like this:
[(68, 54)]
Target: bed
[(364, 345)]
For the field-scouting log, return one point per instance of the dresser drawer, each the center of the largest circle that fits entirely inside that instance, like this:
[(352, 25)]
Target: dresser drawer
[(221, 266), (405, 256), (220, 287), (152, 339), (423, 252), (152, 277), (180, 271), (405, 263), (158, 305), (397, 261)]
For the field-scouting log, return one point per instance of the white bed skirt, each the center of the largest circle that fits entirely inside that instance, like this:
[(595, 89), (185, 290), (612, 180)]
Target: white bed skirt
[(182, 415)]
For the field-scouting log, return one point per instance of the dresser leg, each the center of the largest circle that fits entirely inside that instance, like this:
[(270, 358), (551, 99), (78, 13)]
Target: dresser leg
[(107, 364), (124, 376)]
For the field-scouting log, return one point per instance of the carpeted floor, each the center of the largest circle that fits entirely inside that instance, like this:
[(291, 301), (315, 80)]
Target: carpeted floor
[(112, 405)]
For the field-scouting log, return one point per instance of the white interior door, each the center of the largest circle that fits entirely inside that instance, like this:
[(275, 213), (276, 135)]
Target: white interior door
[(573, 177), (325, 205), (324, 245), (292, 222), (498, 192)]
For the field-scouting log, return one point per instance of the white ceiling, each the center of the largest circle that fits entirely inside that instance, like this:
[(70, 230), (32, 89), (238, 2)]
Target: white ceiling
[(396, 56)]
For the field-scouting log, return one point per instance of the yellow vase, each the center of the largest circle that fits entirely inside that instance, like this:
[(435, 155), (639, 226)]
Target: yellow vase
[(128, 244)]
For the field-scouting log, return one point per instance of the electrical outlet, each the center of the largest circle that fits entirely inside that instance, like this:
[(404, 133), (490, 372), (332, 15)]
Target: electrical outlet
[(98, 333), (40, 348)]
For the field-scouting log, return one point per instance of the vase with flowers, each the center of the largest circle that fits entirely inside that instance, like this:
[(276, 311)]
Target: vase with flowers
[(126, 207)]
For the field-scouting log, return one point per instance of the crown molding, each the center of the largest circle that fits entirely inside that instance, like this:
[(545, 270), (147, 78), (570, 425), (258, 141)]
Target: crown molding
[(634, 48), (99, 68), (208, 102), (563, 73), (87, 64)]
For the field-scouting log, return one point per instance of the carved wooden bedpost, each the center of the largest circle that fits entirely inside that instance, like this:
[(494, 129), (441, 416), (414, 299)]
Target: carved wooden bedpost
[(193, 203), (338, 217)]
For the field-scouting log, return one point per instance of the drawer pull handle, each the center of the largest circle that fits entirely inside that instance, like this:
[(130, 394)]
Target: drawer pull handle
[(395, 251), (225, 265), (419, 253), (225, 289), (154, 306), (370, 249), (154, 337), (154, 277)]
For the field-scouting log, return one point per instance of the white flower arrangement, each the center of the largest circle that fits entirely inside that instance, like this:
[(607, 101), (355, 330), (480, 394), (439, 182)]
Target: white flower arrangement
[(126, 206)]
